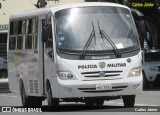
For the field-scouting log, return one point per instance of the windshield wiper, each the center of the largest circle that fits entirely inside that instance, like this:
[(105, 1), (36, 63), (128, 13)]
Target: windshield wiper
[(83, 53), (104, 35)]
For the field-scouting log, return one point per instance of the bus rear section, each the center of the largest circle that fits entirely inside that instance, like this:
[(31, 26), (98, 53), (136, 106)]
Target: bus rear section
[(87, 52)]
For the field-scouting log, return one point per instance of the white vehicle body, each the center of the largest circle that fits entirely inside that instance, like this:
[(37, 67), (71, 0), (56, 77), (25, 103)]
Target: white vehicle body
[(69, 76), (151, 74), (151, 66)]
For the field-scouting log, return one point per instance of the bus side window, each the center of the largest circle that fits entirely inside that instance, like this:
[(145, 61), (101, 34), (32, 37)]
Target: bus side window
[(22, 33), (33, 25), (12, 43), (31, 39), (13, 35)]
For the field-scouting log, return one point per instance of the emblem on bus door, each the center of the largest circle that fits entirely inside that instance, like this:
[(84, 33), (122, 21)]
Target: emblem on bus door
[(102, 64), (102, 74)]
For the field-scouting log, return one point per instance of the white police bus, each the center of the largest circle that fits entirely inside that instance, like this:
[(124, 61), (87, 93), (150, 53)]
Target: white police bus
[(84, 52)]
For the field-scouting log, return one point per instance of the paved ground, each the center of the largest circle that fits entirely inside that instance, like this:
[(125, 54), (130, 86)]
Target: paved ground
[(149, 99)]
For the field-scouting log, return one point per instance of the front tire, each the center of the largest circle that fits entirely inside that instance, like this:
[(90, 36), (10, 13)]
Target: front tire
[(99, 102), (51, 101), (129, 100), (145, 82), (89, 102)]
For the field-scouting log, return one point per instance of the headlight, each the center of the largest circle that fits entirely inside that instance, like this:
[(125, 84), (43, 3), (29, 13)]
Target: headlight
[(69, 76), (135, 72), (154, 68), (64, 75)]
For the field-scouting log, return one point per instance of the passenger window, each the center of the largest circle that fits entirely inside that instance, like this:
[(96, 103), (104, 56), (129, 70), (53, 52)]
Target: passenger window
[(35, 41), (12, 43), (13, 35), (20, 42), (31, 40), (34, 30), (14, 28), (23, 34), (33, 25), (28, 42)]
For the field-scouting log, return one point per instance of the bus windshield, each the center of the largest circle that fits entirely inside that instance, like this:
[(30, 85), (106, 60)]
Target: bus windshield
[(74, 27)]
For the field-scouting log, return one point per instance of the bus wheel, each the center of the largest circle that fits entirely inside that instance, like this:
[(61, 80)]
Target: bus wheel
[(129, 100), (145, 82), (25, 100), (89, 102), (51, 101), (37, 101), (99, 102)]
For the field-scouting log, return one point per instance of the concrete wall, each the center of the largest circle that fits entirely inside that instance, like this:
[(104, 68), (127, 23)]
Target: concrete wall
[(11, 6)]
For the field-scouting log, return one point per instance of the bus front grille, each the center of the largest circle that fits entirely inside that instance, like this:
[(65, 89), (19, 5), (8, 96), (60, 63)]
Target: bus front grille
[(93, 90), (95, 74)]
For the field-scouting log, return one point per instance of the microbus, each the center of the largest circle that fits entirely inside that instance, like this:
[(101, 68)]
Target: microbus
[(81, 52)]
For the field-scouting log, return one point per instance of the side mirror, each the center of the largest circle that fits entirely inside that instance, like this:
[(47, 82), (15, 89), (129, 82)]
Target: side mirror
[(46, 27), (137, 13), (44, 30)]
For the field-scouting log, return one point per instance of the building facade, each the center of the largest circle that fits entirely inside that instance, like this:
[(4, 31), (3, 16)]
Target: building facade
[(8, 7)]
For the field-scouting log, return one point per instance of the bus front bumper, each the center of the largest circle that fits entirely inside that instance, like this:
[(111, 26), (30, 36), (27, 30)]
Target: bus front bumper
[(98, 88)]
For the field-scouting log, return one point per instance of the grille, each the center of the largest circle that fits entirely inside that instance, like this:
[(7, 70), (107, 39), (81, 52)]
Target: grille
[(33, 84), (96, 74), (93, 90)]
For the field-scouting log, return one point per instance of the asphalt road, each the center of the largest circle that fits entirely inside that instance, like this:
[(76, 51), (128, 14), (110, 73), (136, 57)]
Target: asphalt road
[(149, 99)]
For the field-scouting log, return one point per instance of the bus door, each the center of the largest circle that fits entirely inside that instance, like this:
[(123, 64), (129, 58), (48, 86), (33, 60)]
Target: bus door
[(49, 66)]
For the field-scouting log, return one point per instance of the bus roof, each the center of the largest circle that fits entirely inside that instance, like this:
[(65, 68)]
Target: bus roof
[(57, 7)]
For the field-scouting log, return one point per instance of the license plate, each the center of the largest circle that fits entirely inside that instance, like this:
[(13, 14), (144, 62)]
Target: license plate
[(103, 86)]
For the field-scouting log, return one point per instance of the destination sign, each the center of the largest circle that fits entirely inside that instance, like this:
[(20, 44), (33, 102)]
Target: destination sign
[(3, 26)]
